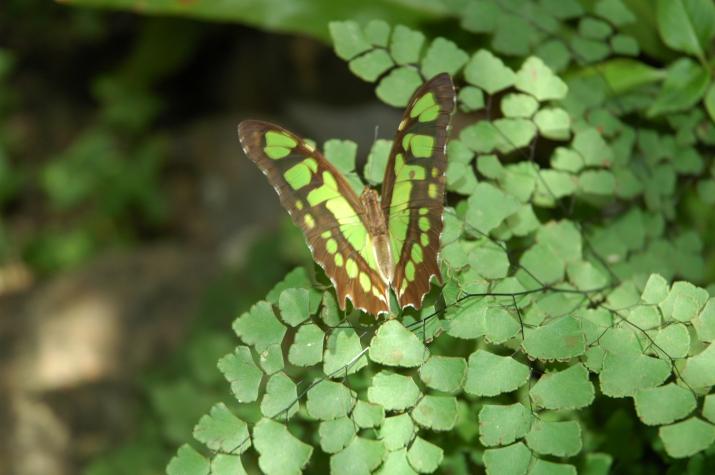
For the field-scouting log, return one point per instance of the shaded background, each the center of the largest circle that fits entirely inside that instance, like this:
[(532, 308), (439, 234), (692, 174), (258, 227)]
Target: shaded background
[(133, 229)]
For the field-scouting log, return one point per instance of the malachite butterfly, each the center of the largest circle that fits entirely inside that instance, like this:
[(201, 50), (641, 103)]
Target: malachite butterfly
[(368, 244)]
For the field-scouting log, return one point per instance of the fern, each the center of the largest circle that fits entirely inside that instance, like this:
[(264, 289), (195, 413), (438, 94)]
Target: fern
[(570, 318)]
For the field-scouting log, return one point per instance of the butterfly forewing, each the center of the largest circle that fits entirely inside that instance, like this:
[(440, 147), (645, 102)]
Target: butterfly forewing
[(413, 189), (322, 203)]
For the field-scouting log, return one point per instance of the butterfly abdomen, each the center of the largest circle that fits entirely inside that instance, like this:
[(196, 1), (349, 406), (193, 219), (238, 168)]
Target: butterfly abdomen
[(377, 228)]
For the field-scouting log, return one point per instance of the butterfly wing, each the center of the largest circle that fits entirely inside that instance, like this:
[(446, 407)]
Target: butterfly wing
[(321, 202), (413, 189)]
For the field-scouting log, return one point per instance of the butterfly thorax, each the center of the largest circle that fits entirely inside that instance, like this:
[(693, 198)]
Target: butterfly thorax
[(377, 228)]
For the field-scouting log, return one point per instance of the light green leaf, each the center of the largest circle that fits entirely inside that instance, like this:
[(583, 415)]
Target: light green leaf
[(394, 392), (543, 264), (686, 25), (512, 35), (395, 345), (684, 301), (685, 84), (490, 167), (397, 87), (222, 431), (444, 373), (553, 123), (341, 153), (489, 374), (397, 431), (480, 16), (307, 348), (589, 51), (461, 178), (280, 451), (593, 148), (281, 398), (614, 11), (377, 161), (537, 79), (709, 407), (710, 102), (543, 467), (368, 415), (518, 105), (699, 370), (513, 134), (329, 400), (585, 276), (371, 65), (625, 375), (524, 221), (560, 339), (406, 45), (559, 438), (488, 207), (704, 323), (488, 72), (243, 374), (271, 359), (396, 462), (188, 461), (341, 353), (499, 325), (336, 434), (625, 45), (377, 32), (567, 159), (227, 465), (673, 341), (687, 438), (645, 317), (567, 389), (511, 460), (297, 278), (555, 54), (436, 412), (590, 27), (259, 327), (443, 56), (348, 39), (466, 319), (471, 99), (502, 425), (362, 456), (489, 260), (424, 456), (597, 182), (597, 464), (552, 185), (294, 305), (656, 289), (664, 404)]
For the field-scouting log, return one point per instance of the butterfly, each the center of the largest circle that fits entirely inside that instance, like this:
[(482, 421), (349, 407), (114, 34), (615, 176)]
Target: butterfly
[(371, 243)]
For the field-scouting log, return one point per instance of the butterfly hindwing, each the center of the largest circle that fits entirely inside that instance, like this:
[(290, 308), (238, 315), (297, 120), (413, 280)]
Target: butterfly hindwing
[(321, 202), (413, 189)]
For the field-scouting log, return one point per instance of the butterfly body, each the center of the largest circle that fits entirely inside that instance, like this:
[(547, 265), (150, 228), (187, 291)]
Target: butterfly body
[(371, 243), (379, 236)]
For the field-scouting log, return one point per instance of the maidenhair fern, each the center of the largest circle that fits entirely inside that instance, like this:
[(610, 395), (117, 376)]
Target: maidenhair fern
[(570, 315)]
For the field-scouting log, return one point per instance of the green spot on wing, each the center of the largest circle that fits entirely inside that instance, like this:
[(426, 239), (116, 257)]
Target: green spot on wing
[(279, 139), (422, 145), (422, 104)]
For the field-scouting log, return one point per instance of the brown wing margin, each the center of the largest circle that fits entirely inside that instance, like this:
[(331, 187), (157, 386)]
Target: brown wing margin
[(321, 229), (411, 161)]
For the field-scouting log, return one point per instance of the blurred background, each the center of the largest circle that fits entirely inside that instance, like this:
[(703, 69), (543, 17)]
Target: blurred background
[(133, 229)]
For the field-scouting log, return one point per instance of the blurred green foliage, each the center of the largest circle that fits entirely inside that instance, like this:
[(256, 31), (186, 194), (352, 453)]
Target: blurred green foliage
[(623, 116)]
